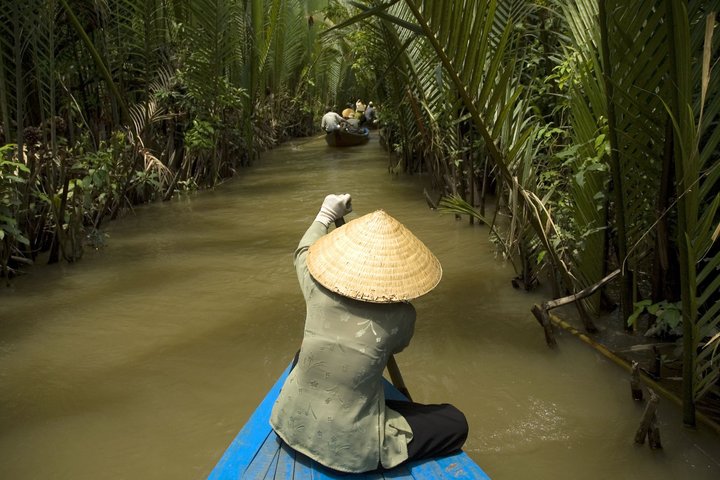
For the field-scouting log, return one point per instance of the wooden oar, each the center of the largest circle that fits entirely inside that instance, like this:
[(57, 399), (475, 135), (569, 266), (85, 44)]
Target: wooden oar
[(392, 366), (396, 377)]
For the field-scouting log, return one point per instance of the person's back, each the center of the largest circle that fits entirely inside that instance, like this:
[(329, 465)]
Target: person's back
[(332, 406), (352, 125), (370, 113), (331, 121)]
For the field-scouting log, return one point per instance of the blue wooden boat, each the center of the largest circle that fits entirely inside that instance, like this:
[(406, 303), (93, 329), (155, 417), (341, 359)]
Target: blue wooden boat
[(347, 138), (257, 453)]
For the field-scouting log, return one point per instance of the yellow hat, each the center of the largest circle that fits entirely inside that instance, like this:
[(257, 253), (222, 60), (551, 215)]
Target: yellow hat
[(376, 259)]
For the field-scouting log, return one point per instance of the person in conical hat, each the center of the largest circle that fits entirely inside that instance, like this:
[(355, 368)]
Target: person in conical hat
[(348, 112), (358, 281)]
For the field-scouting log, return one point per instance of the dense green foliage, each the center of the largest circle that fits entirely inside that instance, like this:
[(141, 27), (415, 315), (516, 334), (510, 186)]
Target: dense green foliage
[(110, 103), (596, 126), (593, 125)]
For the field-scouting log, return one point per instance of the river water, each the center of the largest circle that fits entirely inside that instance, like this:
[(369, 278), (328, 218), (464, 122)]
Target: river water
[(143, 360)]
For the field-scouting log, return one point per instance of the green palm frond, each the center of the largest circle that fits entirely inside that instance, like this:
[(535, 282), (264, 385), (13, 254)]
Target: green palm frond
[(588, 111), (243, 46), (637, 45), (289, 45), (456, 205), (704, 236), (478, 56), (328, 70), (380, 11), (98, 59), (211, 34), (147, 111), (14, 38), (470, 47), (43, 45), (697, 208)]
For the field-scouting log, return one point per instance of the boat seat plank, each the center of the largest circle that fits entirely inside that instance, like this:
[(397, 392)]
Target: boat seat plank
[(257, 453), (460, 466), (303, 466), (272, 470), (401, 472), (261, 466), (285, 464)]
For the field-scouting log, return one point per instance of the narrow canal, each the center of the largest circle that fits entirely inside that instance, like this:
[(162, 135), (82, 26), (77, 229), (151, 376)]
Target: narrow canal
[(144, 360)]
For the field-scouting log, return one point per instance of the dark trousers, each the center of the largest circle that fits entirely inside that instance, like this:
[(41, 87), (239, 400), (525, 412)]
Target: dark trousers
[(438, 430)]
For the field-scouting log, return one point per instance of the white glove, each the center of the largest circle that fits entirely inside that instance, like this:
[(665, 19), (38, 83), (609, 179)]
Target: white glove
[(333, 208)]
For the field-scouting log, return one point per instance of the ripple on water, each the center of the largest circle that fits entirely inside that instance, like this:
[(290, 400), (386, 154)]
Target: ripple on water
[(540, 421)]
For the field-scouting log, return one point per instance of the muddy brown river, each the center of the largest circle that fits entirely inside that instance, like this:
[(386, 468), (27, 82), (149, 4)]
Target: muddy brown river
[(144, 359)]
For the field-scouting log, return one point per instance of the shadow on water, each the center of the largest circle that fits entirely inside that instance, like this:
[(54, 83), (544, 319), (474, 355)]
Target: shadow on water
[(145, 359)]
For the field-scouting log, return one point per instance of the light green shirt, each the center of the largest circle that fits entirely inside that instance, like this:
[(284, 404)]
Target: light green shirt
[(332, 406)]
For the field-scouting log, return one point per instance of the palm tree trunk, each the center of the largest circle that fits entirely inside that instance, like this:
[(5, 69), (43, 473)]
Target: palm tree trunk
[(665, 267), (626, 286), (685, 176), (4, 97), (124, 116), (19, 90)]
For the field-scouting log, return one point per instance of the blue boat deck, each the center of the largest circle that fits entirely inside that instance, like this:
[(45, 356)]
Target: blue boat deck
[(257, 453)]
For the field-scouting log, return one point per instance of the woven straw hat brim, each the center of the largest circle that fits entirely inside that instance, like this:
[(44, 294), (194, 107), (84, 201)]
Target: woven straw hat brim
[(376, 259)]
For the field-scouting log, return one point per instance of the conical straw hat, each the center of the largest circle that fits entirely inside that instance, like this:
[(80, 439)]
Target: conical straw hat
[(374, 258)]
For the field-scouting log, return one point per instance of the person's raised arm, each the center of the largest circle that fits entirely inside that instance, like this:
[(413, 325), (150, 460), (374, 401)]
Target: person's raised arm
[(333, 208)]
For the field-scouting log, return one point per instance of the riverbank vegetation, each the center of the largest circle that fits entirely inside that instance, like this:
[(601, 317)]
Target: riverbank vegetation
[(111, 103), (593, 125)]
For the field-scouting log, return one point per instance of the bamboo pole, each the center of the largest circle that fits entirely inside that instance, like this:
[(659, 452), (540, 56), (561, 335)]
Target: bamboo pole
[(542, 315), (396, 377), (560, 323), (654, 435), (648, 418), (637, 393)]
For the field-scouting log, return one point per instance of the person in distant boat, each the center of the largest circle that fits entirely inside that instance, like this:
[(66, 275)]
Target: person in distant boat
[(348, 112), (360, 110), (357, 282), (352, 125), (331, 121), (370, 116)]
